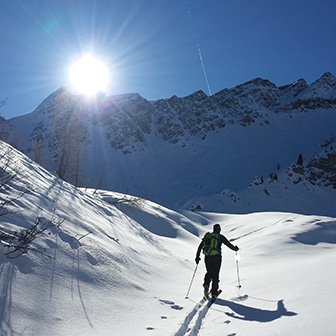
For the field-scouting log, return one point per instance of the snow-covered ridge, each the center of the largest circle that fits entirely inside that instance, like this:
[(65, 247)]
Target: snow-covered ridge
[(132, 118), (201, 144)]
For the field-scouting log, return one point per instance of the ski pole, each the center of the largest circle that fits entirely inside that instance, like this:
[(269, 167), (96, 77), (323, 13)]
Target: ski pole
[(237, 259), (192, 279)]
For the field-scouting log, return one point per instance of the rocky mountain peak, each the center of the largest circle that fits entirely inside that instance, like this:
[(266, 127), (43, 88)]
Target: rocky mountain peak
[(254, 83), (326, 82), (324, 87), (60, 100), (328, 78), (295, 88), (198, 96)]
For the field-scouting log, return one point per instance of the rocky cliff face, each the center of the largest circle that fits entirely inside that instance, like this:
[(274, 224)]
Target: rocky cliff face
[(67, 131), (321, 169), (129, 119)]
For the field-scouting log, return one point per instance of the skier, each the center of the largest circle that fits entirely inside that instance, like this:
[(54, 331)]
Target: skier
[(211, 245)]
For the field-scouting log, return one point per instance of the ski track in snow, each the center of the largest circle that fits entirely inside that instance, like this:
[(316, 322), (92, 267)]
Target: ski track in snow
[(192, 323), (200, 310), (189, 318)]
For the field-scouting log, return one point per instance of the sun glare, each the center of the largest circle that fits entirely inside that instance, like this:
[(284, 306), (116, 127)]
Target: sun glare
[(89, 75)]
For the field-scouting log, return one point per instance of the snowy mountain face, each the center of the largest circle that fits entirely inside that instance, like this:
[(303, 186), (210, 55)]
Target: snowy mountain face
[(305, 187), (175, 149)]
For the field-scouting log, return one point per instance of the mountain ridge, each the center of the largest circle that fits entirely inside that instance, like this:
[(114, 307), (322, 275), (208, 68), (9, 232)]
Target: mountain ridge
[(197, 144)]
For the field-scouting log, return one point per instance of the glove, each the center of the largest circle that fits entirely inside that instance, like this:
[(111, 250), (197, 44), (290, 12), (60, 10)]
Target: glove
[(197, 259)]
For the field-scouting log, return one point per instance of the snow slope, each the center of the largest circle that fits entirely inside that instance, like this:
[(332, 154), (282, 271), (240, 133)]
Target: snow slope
[(307, 187), (121, 265)]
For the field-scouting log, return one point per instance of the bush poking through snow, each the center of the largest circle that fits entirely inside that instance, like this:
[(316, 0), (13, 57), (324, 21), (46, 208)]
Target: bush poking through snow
[(20, 242)]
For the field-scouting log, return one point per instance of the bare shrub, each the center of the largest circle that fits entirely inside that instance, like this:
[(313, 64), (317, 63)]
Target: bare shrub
[(20, 242)]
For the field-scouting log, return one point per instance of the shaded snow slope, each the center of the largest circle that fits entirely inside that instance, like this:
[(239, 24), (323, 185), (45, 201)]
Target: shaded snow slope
[(121, 265), (86, 282), (308, 187)]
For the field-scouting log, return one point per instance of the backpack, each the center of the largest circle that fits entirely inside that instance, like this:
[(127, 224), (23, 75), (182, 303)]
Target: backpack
[(212, 244)]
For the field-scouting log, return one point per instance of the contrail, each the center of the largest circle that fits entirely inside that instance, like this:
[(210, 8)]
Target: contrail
[(203, 67), (199, 53)]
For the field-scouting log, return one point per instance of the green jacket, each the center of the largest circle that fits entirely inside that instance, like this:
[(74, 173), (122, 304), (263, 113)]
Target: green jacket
[(211, 244)]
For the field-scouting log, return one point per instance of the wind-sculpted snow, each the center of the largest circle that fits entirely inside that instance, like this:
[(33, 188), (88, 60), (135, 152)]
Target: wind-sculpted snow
[(321, 232)]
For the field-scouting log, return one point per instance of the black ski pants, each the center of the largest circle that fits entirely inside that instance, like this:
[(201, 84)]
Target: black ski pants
[(212, 264)]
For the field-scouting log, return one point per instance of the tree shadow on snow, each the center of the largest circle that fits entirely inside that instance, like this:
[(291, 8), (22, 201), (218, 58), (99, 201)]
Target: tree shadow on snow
[(247, 313), (7, 275)]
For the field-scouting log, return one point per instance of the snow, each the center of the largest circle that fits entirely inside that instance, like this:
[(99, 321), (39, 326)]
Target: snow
[(121, 265)]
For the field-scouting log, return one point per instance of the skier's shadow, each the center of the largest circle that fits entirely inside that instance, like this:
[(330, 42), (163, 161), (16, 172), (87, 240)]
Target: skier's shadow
[(247, 313)]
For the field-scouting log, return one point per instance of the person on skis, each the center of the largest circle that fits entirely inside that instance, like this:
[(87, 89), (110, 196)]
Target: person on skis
[(211, 246)]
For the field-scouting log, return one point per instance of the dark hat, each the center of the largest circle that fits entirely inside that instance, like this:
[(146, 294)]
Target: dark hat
[(216, 228)]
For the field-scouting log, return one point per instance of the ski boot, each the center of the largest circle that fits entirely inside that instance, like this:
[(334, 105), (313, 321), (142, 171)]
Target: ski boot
[(206, 292), (214, 296)]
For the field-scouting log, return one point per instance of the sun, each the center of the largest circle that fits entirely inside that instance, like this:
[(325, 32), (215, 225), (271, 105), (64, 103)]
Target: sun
[(89, 75)]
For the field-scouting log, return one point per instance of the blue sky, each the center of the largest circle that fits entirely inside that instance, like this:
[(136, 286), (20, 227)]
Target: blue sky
[(153, 47)]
